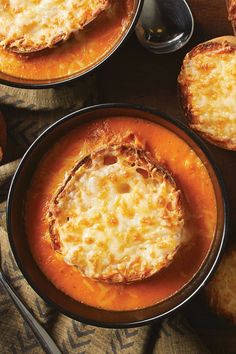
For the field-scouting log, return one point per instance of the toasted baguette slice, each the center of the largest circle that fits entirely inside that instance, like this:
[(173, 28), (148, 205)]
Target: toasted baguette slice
[(221, 291), (31, 26), (231, 5), (207, 85), (3, 136), (118, 216)]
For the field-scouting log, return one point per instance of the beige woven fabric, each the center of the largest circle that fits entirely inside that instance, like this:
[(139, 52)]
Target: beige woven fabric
[(177, 337), (61, 97), (172, 336)]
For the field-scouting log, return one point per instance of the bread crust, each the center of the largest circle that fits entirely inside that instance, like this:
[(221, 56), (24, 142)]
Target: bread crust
[(135, 156), (3, 136), (231, 6), (217, 46), (25, 44), (221, 291)]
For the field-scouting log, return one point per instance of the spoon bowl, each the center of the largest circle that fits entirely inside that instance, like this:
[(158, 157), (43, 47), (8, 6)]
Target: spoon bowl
[(164, 25)]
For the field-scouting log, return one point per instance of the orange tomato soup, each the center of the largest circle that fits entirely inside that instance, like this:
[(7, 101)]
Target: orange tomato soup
[(76, 55), (199, 207)]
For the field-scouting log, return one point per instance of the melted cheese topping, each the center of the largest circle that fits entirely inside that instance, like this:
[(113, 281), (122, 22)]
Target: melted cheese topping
[(210, 79), (36, 24), (116, 223)]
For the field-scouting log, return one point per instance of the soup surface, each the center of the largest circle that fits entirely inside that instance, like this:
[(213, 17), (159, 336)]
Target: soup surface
[(198, 196), (77, 54)]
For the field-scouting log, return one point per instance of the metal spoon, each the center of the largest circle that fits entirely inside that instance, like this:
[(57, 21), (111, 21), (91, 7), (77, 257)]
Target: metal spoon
[(41, 334), (164, 25)]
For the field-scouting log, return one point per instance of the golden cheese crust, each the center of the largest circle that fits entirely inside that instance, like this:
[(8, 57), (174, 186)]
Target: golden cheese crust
[(118, 215), (221, 291), (207, 87), (31, 26)]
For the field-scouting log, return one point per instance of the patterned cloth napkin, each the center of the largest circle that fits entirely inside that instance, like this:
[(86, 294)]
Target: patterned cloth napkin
[(28, 113)]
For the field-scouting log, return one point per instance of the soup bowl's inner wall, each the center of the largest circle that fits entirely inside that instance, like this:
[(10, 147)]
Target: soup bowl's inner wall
[(28, 83), (20, 246)]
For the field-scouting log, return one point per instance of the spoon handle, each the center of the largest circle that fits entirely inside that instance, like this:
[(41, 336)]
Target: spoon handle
[(41, 334)]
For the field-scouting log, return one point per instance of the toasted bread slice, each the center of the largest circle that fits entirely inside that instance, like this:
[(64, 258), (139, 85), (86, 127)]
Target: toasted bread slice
[(31, 26), (118, 215), (3, 136), (221, 291), (231, 5), (207, 85)]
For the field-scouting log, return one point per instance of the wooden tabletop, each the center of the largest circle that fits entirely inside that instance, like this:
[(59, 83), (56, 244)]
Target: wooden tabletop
[(134, 75)]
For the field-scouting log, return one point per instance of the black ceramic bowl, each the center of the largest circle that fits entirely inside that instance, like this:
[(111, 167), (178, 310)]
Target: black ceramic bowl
[(41, 84), (18, 239)]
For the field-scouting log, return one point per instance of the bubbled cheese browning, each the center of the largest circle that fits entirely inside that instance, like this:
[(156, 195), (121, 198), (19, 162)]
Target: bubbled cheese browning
[(32, 25), (118, 216)]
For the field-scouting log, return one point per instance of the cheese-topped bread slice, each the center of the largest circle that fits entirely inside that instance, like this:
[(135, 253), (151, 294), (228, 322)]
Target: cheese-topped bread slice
[(3, 136), (207, 83), (232, 9), (118, 216), (221, 291), (32, 25), (231, 5)]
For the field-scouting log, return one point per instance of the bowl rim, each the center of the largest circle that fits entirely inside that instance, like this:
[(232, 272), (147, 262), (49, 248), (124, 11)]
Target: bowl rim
[(216, 170), (75, 77)]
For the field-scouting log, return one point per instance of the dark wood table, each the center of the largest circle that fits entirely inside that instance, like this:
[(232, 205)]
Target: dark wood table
[(136, 76)]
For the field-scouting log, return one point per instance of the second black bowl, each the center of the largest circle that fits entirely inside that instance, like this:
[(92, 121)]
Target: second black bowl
[(21, 249)]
